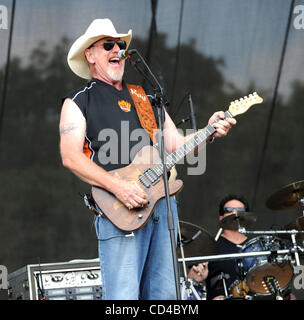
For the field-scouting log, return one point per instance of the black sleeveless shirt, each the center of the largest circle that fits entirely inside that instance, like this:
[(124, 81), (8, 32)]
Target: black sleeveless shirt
[(114, 134)]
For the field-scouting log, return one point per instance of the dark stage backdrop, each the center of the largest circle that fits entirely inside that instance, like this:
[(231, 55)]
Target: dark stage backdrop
[(216, 50)]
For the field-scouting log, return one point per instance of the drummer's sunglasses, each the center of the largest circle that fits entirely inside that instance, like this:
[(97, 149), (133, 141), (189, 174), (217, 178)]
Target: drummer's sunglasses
[(230, 209)]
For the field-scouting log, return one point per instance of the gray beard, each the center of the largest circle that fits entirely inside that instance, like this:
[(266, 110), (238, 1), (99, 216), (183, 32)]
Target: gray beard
[(116, 76)]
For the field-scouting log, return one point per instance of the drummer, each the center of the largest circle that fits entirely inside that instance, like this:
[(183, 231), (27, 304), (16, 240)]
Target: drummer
[(225, 275), (224, 272)]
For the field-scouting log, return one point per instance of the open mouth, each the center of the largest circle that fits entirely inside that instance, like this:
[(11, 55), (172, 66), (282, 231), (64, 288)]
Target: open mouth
[(114, 61)]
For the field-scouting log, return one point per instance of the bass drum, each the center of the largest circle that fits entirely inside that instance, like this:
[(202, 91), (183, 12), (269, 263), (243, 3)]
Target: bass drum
[(266, 274)]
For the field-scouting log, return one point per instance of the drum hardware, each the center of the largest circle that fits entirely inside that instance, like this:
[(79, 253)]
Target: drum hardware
[(199, 259), (237, 220), (232, 297), (272, 275), (281, 269), (239, 289), (288, 197), (185, 286), (295, 247), (223, 277), (193, 240), (297, 224), (271, 270), (188, 288), (276, 264), (270, 283)]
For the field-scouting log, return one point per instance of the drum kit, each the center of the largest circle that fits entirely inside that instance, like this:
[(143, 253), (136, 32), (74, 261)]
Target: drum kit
[(265, 262)]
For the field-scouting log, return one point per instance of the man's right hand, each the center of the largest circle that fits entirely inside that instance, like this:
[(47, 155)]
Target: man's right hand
[(130, 194)]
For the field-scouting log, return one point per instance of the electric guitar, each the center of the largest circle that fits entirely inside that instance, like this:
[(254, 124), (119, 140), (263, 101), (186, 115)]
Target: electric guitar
[(147, 171)]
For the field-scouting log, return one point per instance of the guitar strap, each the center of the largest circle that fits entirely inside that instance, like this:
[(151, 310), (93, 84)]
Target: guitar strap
[(143, 108)]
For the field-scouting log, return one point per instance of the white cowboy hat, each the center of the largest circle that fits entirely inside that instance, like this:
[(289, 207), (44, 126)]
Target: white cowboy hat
[(98, 29)]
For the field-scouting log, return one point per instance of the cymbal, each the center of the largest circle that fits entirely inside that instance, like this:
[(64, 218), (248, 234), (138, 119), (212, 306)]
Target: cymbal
[(297, 224), (196, 241), (233, 221), (287, 197)]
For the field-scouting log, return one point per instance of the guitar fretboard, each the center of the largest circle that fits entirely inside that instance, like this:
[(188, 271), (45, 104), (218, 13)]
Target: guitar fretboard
[(188, 147)]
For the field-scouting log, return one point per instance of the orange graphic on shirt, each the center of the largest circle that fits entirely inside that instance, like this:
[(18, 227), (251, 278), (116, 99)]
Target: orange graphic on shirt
[(86, 149), (124, 105)]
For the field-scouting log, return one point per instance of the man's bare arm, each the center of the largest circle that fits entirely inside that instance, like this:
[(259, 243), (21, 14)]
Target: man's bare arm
[(72, 129), (72, 136)]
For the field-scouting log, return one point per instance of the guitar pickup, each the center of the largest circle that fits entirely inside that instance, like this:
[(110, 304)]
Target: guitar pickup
[(144, 181), (151, 175)]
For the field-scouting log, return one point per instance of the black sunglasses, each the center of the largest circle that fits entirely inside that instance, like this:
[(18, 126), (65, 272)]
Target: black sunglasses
[(109, 44), (230, 209)]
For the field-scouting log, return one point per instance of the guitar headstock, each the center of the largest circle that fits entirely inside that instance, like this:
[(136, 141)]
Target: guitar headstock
[(242, 105)]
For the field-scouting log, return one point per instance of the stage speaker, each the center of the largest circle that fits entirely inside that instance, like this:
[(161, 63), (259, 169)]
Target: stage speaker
[(73, 280)]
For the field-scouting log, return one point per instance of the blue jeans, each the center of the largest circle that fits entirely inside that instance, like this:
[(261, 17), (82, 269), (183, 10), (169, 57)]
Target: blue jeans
[(139, 266)]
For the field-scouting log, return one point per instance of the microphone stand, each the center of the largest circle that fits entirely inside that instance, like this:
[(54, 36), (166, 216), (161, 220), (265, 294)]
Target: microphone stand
[(191, 116), (160, 103)]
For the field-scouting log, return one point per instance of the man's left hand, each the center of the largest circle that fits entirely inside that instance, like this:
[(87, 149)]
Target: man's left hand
[(222, 126)]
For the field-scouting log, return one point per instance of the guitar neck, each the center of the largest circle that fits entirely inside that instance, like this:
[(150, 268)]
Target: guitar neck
[(202, 135)]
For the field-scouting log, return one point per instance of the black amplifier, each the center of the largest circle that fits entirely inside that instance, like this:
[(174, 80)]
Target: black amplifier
[(73, 280)]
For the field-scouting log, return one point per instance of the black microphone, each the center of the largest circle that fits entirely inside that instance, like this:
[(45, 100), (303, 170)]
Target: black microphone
[(125, 54)]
